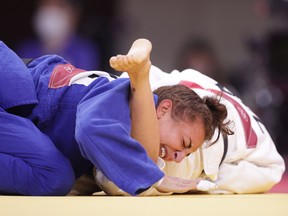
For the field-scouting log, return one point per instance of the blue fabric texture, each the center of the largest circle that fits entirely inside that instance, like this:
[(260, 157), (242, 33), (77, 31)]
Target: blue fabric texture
[(43, 153), (16, 83), (103, 133)]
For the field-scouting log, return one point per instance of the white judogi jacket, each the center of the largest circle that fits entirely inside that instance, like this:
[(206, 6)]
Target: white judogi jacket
[(251, 163)]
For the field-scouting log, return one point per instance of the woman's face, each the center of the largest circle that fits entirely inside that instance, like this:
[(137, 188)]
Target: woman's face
[(177, 139)]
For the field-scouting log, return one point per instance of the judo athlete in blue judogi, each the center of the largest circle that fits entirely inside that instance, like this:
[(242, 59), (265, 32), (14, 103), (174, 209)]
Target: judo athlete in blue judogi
[(39, 154), (54, 127)]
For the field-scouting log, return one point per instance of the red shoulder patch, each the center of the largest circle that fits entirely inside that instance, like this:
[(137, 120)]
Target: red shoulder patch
[(62, 74)]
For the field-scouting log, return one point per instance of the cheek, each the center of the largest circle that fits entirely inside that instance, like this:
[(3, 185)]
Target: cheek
[(168, 133), (164, 136), (195, 148), (163, 128), (168, 138)]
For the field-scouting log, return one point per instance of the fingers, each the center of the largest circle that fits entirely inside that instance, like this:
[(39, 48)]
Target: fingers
[(113, 62), (178, 185), (122, 62)]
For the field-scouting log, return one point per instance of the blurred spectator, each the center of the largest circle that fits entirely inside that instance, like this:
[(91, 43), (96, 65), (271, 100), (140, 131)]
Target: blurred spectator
[(199, 54), (55, 24)]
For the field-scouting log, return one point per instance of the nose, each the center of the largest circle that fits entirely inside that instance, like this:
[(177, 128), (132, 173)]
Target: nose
[(179, 156)]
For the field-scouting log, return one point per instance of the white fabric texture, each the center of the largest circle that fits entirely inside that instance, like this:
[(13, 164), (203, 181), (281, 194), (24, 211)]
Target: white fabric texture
[(252, 163)]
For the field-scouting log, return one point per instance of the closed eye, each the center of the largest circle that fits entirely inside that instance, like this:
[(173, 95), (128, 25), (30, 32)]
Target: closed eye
[(190, 143), (187, 145)]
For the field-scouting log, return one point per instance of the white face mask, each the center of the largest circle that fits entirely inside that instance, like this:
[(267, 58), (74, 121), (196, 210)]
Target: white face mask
[(52, 24)]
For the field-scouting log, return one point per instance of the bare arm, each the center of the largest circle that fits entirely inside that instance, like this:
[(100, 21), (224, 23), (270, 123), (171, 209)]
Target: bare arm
[(143, 113)]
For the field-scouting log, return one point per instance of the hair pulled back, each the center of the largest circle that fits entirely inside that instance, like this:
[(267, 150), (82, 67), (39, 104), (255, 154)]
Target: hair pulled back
[(187, 106)]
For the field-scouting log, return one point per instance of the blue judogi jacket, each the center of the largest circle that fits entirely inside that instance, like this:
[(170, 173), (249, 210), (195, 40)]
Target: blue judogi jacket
[(90, 124)]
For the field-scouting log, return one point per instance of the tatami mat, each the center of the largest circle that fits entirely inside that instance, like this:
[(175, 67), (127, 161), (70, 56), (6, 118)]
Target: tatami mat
[(176, 205)]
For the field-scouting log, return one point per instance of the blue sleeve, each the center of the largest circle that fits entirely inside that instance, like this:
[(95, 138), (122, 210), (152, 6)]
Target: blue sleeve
[(16, 83), (103, 133)]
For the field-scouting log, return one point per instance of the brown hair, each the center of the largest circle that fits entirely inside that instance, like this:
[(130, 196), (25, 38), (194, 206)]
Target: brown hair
[(187, 106)]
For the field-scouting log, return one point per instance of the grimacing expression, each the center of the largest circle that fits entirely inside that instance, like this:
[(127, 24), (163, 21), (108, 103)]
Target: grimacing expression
[(177, 138)]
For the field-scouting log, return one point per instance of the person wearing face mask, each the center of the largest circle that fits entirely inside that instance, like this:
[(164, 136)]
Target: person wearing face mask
[(63, 121), (55, 23)]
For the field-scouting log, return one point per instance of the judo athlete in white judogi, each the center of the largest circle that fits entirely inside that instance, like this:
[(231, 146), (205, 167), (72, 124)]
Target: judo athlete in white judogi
[(246, 162)]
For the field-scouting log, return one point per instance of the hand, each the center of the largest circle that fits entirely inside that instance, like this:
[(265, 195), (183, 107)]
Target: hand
[(144, 121), (178, 185), (136, 63)]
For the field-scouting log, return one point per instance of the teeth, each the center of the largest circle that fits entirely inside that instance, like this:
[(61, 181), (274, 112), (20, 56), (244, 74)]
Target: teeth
[(163, 152)]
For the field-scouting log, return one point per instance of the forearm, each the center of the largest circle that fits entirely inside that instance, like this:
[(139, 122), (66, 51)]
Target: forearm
[(143, 113), (143, 118)]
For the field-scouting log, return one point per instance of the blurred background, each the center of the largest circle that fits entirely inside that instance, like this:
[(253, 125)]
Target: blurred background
[(242, 44)]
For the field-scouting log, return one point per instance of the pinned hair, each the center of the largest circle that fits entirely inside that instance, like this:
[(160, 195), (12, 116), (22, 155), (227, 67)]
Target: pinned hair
[(219, 114), (187, 106)]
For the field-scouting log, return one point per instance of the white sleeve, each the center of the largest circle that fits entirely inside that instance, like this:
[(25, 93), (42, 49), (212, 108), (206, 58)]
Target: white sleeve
[(250, 169), (246, 177)]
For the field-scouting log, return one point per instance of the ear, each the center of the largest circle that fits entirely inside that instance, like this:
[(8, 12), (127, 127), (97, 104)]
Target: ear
[(164, 107)]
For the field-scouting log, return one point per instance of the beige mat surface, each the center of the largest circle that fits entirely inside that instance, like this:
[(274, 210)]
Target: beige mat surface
[(176, 205)]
